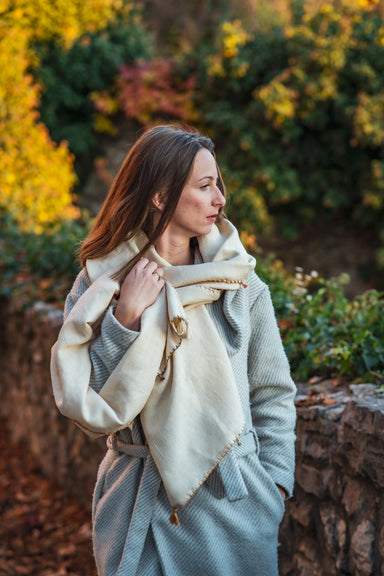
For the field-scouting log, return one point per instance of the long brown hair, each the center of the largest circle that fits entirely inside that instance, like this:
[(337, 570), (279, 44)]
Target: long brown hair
[(160, 161)]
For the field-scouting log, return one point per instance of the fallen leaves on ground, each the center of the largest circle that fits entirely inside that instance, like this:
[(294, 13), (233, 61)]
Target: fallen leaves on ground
[(313, 398), (43, 532)]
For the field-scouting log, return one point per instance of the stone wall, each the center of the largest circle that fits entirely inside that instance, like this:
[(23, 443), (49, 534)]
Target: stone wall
[(334, 525), (66, 455)]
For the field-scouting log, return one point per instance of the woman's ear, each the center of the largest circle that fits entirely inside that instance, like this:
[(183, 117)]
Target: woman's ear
[(158, 201)]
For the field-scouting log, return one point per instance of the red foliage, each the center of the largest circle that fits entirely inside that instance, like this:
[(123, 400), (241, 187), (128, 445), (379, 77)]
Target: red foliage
[(149, 90)]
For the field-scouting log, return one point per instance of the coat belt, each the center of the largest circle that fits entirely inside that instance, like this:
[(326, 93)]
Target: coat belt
[(117, 445), (229, 469)]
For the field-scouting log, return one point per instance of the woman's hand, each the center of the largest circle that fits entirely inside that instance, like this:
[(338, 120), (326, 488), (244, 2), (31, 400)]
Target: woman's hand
[(282, 492), (139, 290)]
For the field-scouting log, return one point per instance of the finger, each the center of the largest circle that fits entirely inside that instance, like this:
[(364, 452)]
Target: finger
[(155, 276), (141, 264), (151, 268)]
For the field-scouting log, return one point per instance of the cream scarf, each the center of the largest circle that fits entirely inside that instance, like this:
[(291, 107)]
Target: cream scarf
[(176, 374)]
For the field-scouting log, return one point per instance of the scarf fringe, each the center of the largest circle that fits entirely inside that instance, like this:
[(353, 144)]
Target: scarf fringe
[(174, 518)]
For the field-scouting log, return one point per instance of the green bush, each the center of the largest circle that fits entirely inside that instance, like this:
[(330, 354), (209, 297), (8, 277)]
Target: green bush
[(281, 283), (327, 335), (324, 333), (38, 266), (70, 77)]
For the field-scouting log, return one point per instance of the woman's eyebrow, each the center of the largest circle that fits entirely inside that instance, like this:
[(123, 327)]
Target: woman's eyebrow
[(205, 177)]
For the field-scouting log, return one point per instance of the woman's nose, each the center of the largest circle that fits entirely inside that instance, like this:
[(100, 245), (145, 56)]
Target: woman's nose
[(219, 199)]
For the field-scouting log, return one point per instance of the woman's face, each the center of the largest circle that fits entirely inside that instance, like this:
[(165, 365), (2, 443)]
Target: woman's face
[(200, 200)]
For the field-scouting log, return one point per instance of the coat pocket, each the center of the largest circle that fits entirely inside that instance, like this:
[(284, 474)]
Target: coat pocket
[(230, 473)]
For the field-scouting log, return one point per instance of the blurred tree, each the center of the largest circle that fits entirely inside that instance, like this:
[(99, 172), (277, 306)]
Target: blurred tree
[(59, 19), (297, 112), (36, 175), (69, 76)]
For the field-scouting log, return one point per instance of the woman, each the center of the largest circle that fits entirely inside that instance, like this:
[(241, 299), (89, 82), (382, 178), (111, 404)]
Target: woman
[(170, 346)]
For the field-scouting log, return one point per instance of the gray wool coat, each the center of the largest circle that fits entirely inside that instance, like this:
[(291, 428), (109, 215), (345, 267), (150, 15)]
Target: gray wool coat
[(230, 526)]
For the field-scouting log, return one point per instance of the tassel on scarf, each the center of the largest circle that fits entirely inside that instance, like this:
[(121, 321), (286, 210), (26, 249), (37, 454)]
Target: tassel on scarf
[(174, 519)]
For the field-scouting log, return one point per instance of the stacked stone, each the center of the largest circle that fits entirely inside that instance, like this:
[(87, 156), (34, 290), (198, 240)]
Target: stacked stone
[(334, 525), (66, 455)]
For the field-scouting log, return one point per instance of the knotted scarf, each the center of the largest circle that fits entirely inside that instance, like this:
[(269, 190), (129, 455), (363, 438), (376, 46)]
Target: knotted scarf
[(176, 374)]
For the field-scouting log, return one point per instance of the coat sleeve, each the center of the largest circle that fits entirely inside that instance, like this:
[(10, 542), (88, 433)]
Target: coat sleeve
[(272, 393), (111, 343)]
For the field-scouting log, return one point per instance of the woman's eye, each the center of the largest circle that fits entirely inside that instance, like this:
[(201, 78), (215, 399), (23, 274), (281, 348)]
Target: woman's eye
[(204, 186)]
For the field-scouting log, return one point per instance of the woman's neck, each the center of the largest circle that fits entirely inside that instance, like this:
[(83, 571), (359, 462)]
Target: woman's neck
[(174, 252)]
